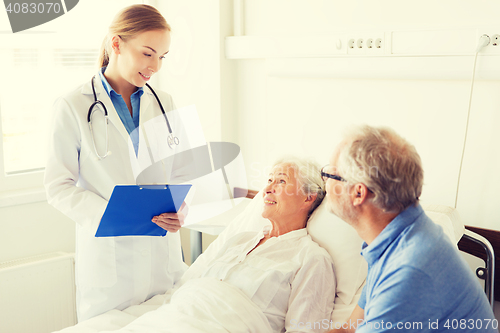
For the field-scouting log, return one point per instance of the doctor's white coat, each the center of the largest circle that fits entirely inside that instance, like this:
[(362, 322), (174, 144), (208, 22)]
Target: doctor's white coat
[(111, 272)]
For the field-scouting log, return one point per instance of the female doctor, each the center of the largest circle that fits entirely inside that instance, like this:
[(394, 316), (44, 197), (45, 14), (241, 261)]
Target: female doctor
[(85, 164)]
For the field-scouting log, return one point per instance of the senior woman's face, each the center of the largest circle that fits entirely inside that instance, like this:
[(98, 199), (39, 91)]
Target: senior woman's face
[(283, 198)]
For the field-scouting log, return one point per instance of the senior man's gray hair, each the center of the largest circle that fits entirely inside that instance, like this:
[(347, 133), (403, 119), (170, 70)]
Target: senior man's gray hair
[(309, 176), (386, 163)]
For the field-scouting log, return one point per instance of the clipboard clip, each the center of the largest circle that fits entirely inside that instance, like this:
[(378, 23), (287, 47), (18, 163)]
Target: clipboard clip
[(152, 186)]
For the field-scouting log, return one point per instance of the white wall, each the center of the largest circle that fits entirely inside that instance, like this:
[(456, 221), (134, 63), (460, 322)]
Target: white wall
[(195, 70), (33, 229), (322, 16), (280, 114)]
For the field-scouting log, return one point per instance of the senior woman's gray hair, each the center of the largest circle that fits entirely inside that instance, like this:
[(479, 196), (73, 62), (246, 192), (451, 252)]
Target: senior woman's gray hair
[(309, 176)]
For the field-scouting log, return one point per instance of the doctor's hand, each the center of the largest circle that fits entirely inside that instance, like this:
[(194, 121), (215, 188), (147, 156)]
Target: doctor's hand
[(171, 222)]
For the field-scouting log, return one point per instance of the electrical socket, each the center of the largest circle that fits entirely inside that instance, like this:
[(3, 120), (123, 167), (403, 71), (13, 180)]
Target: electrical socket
[(350, 44), (493, 46), (360, 43), (366, 44), (370, 43), (495, 40)]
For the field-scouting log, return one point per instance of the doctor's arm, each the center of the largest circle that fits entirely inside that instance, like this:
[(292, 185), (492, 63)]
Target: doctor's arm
[(63, 168)]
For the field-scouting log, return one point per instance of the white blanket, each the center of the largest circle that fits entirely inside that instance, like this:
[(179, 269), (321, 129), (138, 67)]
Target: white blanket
[(201, 305)]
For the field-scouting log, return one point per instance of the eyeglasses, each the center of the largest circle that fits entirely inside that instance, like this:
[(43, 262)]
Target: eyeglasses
[(326, 175)]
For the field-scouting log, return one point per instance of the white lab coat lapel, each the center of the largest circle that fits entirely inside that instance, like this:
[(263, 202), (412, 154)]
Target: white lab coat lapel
[(146, 111), (104, 98)]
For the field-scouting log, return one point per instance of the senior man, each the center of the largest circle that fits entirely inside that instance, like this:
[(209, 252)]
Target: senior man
[(417, 281)]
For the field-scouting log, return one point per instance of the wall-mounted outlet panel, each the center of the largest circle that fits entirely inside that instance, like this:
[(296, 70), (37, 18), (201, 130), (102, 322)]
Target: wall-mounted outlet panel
[(370, 43), (443, 42), (433, 42)]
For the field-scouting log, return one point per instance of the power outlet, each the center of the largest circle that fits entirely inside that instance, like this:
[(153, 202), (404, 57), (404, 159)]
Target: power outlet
[(366, 44), (493, 46), (370, 43), (495, 40), (350, 45)]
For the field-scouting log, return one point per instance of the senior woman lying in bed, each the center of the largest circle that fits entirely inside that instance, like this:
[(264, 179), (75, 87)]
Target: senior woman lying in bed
[(272, 280)]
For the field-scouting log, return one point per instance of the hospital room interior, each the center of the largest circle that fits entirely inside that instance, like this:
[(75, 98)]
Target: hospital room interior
[(274, 78)]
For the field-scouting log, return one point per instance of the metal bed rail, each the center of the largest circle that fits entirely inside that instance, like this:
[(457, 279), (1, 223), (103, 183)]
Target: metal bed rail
[(488, 272)]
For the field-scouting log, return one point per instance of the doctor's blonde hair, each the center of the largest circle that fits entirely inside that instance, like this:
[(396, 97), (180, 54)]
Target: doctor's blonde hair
[(130, 22)]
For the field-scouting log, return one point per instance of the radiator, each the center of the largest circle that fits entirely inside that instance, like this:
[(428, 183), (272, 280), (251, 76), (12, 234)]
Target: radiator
[(37, 294)]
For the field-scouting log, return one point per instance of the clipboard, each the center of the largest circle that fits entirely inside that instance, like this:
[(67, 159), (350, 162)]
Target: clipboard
[(131, 208)]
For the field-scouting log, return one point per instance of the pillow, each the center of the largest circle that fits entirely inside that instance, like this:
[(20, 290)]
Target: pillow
[(448, 218), (344, 246)]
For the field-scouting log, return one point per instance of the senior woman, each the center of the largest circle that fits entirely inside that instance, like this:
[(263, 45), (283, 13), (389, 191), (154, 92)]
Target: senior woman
[(279, 267), (265, 276)]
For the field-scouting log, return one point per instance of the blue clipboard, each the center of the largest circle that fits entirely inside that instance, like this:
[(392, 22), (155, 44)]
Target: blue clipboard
[(131, 208)]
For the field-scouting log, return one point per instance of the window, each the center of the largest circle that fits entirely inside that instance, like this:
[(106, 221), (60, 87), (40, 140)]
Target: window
[(37, 66)]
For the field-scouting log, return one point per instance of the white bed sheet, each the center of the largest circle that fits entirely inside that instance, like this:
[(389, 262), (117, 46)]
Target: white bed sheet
[(221, 307)]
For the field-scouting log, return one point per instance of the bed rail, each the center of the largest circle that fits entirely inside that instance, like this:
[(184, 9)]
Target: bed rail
[(484, 244), (488, 272)]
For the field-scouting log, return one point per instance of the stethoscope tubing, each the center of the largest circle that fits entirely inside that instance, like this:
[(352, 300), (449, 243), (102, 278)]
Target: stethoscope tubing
[(171, 140), (161, 107)]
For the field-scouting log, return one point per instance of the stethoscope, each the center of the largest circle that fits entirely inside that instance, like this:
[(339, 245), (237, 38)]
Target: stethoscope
[(171, 139)]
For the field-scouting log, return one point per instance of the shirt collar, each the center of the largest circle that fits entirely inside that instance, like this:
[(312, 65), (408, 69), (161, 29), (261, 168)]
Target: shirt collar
[(110, 89), (289, 235), (294, 234), (372, 252)]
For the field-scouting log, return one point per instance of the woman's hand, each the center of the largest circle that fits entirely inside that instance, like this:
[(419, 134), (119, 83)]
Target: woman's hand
[(171, 222)]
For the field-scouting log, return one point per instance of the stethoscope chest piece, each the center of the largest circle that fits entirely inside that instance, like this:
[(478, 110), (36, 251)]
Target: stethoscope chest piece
[(172, 140)]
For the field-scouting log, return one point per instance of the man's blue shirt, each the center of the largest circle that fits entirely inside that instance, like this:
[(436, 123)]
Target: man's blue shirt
[(130, 123), (417, 281)]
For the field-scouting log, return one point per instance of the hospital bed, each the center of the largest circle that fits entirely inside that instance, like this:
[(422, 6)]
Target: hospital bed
[(333, 234)]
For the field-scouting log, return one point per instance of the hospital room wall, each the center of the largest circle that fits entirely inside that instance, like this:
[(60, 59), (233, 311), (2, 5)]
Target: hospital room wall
[(33, 229), (196, 71), (278, 115)]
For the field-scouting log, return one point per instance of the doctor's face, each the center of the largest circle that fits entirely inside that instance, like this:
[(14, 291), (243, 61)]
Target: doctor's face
[(142, 56)]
